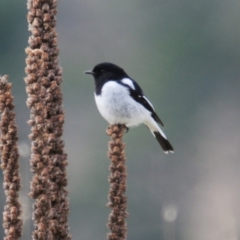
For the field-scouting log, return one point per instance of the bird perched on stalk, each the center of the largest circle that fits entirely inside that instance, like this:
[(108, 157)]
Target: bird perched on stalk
[(120, 100)]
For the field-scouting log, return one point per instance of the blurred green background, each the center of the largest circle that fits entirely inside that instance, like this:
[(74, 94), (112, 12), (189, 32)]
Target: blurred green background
[(186, 56)]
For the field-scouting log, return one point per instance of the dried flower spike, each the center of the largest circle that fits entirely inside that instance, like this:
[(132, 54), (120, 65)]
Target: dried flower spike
[(12, 222), (117, 179), (48, 159)]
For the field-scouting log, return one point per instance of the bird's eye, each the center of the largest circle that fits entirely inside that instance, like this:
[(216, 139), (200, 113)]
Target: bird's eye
[(102, 71)]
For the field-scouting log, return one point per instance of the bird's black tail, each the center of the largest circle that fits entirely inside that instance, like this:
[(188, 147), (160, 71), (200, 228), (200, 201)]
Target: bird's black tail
[(165, 144)]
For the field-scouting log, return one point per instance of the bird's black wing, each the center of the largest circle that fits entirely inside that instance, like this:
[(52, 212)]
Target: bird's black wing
[(138, 96)]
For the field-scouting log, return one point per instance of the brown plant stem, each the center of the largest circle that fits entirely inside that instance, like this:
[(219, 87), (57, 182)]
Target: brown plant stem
[(48, 159), (117, 178), (12, 222)]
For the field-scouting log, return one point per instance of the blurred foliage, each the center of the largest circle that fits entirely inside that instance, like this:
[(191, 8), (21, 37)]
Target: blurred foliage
[(185, 55)]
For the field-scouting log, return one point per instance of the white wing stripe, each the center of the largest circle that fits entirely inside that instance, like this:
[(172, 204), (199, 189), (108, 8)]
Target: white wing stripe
[(148, 102), (128, 82)]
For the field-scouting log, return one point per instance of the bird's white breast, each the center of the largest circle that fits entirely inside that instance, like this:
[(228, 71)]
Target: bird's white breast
[(117, 106)]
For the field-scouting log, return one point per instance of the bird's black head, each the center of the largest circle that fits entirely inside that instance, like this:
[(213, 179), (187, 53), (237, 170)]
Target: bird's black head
[(104, 72)]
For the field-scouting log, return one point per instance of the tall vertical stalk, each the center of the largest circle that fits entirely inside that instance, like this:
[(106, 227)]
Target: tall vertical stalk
[(48, 159), (118, 173), (12, 222)]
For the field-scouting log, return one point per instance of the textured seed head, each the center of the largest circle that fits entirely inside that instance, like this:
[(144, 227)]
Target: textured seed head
[(45, 7)]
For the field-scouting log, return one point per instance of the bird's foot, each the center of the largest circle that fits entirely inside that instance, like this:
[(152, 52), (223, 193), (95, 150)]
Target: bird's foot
[(122, 125)]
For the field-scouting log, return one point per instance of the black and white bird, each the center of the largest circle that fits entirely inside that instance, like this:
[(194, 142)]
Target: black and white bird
[(120, 100)]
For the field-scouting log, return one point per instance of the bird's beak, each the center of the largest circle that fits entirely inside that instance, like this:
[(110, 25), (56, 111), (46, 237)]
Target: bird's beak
[(89, 72)]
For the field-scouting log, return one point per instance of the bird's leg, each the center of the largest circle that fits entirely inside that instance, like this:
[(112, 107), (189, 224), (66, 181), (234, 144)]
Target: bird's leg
[(127, 129)]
